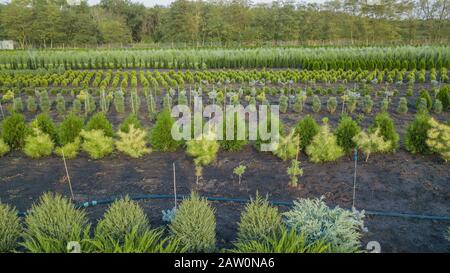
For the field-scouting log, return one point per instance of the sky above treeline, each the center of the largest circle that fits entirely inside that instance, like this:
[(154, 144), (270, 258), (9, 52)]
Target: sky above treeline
[(151, 3)]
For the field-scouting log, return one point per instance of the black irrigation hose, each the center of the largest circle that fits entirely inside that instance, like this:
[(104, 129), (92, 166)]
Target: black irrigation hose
[(94, 203)]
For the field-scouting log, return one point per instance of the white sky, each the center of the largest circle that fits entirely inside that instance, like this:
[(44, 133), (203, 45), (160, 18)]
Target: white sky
[(150, 3)]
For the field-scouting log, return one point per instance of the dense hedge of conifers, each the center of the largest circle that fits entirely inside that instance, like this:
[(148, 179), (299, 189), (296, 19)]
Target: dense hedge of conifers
[(370, 58)]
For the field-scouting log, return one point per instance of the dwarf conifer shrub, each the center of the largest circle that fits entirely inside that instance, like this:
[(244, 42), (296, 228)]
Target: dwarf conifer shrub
[(284, 103), (324, 147), (99, 122), (332, 104), (424, 94), (438, 106), (70, 150), (60, 105), (52, 223), (17, 105), (346, 130), (339, 228), (38, 144), (402, 107), (14, 131), (119, 102), (45, 124), (10, 228), (44, 101), (384, 105), (4, 148), (194, 224), (287, 146), (203, 150), (31, 104), (422, 106), (306, 128), (372, 142), (96, 143), (120, 219), (70, 129), (131, 120), (132, 143), (161, 134), (416, 135), (316, 104), (387, 129), (439, 139), (76, 106), (444, 96), (259, 220), (298, 104), (367, 104), (235, 144)]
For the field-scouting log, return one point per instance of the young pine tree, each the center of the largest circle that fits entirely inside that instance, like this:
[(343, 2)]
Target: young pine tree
[(324, 147)]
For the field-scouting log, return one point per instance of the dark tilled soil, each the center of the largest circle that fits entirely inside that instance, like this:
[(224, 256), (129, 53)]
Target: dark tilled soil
[(398, 182)]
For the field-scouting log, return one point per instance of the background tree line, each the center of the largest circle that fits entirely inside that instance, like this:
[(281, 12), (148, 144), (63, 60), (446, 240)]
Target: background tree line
[(50, 23)]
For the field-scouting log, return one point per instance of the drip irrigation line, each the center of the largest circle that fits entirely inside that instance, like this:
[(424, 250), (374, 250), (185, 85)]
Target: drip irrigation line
[(180, 197)]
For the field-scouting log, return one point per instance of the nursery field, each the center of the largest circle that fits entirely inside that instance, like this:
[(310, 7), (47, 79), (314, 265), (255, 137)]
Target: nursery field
[(93, 125)]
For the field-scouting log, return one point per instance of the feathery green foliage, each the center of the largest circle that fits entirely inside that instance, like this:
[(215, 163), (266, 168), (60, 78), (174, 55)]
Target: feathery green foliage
[(96, 144), (132, 143), (372, 142), (324, 147), (38, 144), (10, 228)]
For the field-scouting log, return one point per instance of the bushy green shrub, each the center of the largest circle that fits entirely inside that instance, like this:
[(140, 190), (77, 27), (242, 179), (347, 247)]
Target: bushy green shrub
[(70, 129), (444, 96), (60, 104), (324, 147), (203, 150), (416, 135), (96, 144), (422, 106), (38, 144), (367, 104), (45, 124), (44, 101), (332, 104), (194, 224), (233, 145), (346, 130), (17, 105), (14, 131), (76, 106), (10, 228), (298, 104), (284, 103), (120, 219), (31, 104), (372, 143), (402, 108), (285, 241), (119, 102), (424, 94), (70, 149), (259, 220), (317, 222), (132, 119), (132, 143), (4, 148), (306, 128), (438, 107), (316, 104), (52, 223), (161, 134), (387, 129), (99, 122)]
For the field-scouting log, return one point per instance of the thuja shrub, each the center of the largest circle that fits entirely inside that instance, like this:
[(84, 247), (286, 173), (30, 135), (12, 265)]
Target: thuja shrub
[(45, 124), (133, 142), (161, 134), (324, 147), (316, 104), (131, 120), (259, 220), (96, 144), (424, 94), (38, 144), (235, 144), (306, 128), (10, 228), (439, 139), (52, 223), (402, 108), (31, 104), (123, 217), (387, 129), (14, 131), (60, 104), (332, 104), (70, 129), (339, 228), (422, 106), (194, 224), (346, 130), (444, 96), (438, 107), (99, 122), (4, 148), (416, 135)]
